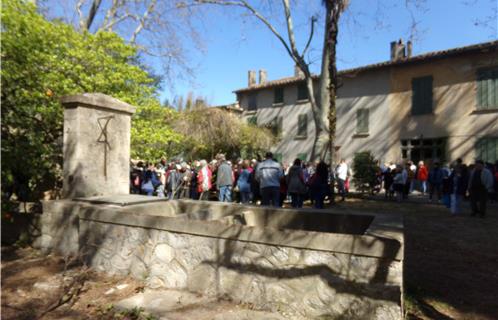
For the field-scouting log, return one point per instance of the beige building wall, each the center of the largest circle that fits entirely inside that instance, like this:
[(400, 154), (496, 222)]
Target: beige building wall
[(288, 145), (367, 90), (454, 105), (387, 93)]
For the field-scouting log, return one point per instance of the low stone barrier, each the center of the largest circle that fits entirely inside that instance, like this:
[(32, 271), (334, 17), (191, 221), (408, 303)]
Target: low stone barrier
[(307, 263)]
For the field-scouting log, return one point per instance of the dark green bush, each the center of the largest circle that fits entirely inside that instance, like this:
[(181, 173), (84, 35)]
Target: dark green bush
[(364, 171)]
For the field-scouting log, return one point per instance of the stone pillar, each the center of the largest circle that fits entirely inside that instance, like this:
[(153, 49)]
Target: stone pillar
[(96, 145)]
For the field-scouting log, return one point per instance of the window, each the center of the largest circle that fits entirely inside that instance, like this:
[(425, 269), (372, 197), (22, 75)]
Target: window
[(276, 127), (422, 95), (487, 89), (362, 120), (278, 95), (302, 156), (253, 101), (302, 126), (252, 120), (302, 91), (423, 149), (487, 149)]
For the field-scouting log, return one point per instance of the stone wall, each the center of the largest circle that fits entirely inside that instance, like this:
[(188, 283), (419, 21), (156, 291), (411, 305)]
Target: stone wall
[(304, 283), (244, 253)]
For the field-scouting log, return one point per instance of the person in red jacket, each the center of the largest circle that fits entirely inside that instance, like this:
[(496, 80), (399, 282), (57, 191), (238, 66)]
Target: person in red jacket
[(421, 176)]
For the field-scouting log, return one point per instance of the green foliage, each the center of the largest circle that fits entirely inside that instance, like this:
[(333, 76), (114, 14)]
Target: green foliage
[(151, 135), (365, 169), (42, 61), (212, 130)]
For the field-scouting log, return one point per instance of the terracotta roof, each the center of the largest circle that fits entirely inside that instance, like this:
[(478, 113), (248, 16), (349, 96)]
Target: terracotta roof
[(480, 47)]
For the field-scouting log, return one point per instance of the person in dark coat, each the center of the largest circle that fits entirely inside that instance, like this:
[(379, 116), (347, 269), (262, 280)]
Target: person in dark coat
[(458, 182)]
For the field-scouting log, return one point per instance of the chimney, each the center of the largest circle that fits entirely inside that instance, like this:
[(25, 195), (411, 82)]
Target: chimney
[(262, 76), (409, 47), (397, 50), (298, 72), (251, 78)]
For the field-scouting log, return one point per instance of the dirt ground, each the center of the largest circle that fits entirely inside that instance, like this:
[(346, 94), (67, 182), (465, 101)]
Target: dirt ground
[(450, 270), (451, 263)]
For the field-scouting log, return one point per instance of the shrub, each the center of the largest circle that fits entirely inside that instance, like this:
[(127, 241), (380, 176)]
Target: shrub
[(364, 171)]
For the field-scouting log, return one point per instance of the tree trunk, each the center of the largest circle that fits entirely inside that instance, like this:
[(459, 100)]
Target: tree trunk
[(334, 9)]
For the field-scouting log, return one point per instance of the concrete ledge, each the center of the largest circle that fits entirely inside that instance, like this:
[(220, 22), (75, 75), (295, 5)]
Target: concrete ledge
[(98, 100)]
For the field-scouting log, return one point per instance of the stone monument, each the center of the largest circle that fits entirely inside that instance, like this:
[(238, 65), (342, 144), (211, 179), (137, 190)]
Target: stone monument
[(96, 145)]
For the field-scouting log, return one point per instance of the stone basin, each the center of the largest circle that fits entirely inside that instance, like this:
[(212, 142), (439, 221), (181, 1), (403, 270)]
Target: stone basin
[(310, 263)]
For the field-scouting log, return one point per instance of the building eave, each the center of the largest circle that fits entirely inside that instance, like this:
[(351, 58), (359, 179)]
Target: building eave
[(484, 47)]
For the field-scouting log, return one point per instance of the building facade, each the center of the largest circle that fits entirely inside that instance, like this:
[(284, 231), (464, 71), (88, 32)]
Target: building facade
[(440, 105)]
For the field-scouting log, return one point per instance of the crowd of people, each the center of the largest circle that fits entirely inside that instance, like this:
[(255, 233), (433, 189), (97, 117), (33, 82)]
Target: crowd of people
[(265, 182), (269, 183), (449, 184)]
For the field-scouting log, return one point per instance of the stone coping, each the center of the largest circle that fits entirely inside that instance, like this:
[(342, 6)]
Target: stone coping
[(122, 200), (98, 100), (383, 239)]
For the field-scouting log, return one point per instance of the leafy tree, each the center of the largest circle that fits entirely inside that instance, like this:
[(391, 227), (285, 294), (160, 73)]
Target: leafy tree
[(212, 130), (152, 137), (42, 61), (365, 169)]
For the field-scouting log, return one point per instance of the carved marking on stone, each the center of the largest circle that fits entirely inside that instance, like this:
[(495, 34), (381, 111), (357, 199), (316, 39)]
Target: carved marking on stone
[(103, 123)]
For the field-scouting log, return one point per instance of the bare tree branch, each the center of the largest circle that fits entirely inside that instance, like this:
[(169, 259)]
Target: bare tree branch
[(93, 12), (258, 15), (290, 28), (313, 20), (79, 4), (143, 21)]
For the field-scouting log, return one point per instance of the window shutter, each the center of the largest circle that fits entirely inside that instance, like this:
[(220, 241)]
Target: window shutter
[(362, 121), (487, 89), (302, 125), (422, 95), (278, 95), (302, 91)]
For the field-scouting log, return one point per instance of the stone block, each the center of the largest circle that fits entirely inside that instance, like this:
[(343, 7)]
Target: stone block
[(96, 147)]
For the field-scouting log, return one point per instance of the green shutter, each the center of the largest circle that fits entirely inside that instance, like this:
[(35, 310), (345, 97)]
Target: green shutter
[(422, 98), (302, 91), (362, 120), (487, 149), (277, 126), (302, 125), (278, 95), (487, 89)]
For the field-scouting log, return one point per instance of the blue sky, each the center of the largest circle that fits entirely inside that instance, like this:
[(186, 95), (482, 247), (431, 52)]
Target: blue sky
[(235, 43)]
